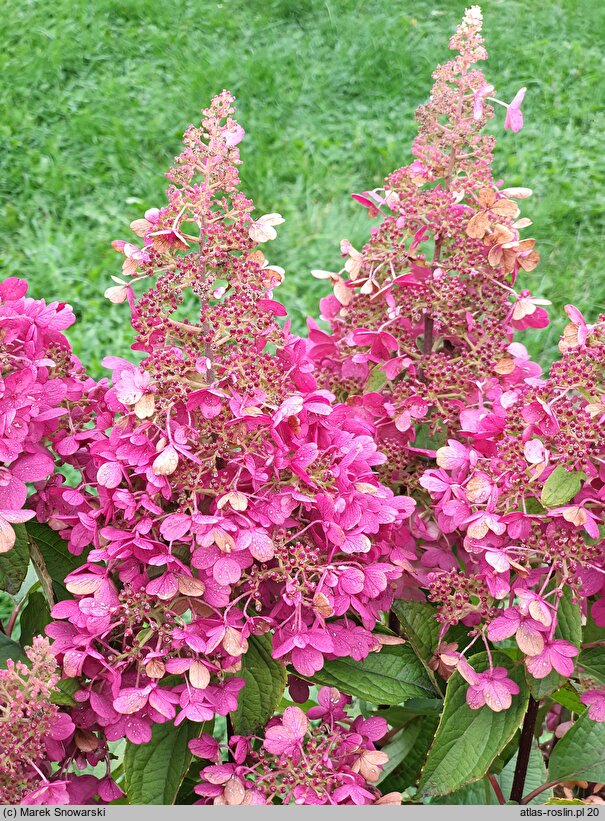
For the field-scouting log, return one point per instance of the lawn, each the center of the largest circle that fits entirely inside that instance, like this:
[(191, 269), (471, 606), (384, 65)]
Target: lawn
[(94, 97)]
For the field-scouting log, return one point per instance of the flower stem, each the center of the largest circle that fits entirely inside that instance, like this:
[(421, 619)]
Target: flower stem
[(530, 796), (525, 742), (496, 788)]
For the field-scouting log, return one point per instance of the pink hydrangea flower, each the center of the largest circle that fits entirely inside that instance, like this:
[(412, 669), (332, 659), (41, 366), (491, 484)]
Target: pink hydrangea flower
[(595, 701), (492, 688), (557, 655), (514, 115), (335, 762), (286, 737)]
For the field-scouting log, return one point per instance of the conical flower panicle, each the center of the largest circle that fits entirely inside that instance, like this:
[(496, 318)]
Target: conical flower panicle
[(421, 345), (422, 318), (222, 495)]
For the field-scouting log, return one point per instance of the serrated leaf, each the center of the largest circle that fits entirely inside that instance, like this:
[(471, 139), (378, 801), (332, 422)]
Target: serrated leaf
[(265, 683), (414, 707), (14, 564), (51, 559), (407, 771), (7, 605), (9, 649), (425, 439), (562, 801), (503, 757), (401, 746), (569, 697), (561, 486), (536, 776), (569, 627), (467, 741), (580, 754), (154, 772), (389, 677), (63, 694), (591, 631), (593, 662), (186, 794), (376, 380), (421, 629), (480, 792), (34, 618), (532, 505)]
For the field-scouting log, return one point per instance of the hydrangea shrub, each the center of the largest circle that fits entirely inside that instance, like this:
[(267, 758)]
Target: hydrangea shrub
[(362, 567)]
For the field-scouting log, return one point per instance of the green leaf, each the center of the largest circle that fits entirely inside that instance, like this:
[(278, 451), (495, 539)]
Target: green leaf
[(593, 662), (186, 793), (426, 439), (402, 744), (376, 380), (561, 486), (420, 625), (563, 801), (503, 757), (154, 772), (420, 731), (64, 692), (536, 775), (52, 560), (569, 697), (543, 687), (569, 627), (414, 707), (265, 682), (7, 606), (480, 792), (580, 754), (532, 505), (591, 632), (421, 629), (34, 618), (14, 564), (9, 649), (389, 677), (467, 741)]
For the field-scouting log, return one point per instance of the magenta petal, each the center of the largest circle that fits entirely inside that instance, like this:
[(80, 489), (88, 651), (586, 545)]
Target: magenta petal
[(504, 626), (13, 494), (227, 571), (475, 698), (497, 696), (539, 666), (164, 587), (12, 288), (33, 467), (138, 731), (130, 700), (562, 664)]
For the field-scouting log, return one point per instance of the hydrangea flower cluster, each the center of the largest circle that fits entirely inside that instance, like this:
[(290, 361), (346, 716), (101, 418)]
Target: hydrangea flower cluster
[(236, 481), (321, 757), (222, 492), (521, 498), (34, 733), (39, 375), (427, 309), (420, 342)]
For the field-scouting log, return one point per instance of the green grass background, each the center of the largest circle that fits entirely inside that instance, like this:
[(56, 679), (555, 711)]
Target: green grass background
[(94, 97)]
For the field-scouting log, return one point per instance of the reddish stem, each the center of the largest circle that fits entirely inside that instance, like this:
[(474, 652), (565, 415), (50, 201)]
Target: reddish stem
[(525, 742), (530, 796), (496, 788)]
